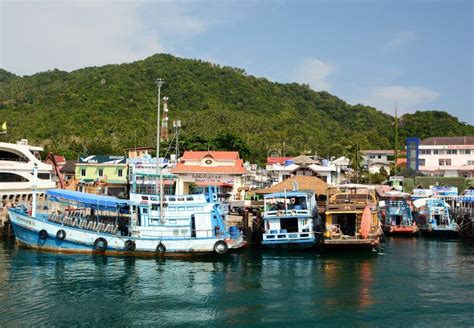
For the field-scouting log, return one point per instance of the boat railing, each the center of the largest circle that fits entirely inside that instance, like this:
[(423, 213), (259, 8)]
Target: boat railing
[(287, 212), (278, 235), (85, 222)]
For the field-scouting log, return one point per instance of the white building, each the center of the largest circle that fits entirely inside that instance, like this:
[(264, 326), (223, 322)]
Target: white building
[(374, 160), (447, 156)]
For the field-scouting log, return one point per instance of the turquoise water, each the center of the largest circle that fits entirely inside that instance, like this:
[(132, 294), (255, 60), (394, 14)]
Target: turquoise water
[(413, 282)]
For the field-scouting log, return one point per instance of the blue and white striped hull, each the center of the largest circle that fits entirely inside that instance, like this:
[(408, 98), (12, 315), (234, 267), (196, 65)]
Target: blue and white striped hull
[(27, 231)]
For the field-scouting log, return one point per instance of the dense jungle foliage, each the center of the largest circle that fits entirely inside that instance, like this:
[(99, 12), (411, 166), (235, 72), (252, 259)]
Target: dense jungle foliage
[(110, 108)]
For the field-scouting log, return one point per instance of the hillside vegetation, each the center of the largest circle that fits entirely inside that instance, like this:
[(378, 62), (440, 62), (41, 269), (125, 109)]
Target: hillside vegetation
[(110, 108)]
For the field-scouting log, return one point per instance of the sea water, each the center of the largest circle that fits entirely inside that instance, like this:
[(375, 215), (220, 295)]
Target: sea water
[(411, 282)]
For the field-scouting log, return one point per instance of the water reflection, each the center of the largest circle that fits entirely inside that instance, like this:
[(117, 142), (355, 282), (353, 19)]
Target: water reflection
[(248, 288)]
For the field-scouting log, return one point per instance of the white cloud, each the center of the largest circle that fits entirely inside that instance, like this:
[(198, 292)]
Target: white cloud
[(314, 72), (408, 98), (400, 39), (37, 36)]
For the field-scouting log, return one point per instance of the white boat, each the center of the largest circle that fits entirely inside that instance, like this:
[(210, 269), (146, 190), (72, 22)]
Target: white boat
[(290, 220), (16, 172)]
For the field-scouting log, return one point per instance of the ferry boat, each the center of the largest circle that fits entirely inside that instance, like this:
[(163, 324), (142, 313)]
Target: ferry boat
[(397, 215), (433, 217), (86, 223), (351, 218), (290, 220), (17, 162)]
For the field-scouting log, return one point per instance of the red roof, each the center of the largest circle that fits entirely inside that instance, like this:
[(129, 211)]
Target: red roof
[(401, 162), (238, 168), (218, 155), (277, 160)]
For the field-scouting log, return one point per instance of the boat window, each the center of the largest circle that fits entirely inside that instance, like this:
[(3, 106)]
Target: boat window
[(9, 156), (144, 197), (189, 198), (190, 208), (144, 210), (172, 221), (171, 199), (43, 176), (11, 177), (181, 209), (154, 198), (180, 199), (199, 208), (155, 207), (171, 209)]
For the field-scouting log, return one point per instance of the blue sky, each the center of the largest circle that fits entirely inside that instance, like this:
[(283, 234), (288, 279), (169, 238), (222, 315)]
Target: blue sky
[(418, 53)]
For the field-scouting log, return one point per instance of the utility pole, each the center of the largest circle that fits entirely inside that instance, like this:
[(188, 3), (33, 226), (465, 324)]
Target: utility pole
[(395, 153), (177, 126)]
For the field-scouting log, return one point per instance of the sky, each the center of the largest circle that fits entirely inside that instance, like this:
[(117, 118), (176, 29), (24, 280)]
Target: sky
[(416, 53)]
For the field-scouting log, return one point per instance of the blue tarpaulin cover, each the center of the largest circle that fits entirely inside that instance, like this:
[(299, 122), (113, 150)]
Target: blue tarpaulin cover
[(88, 200)]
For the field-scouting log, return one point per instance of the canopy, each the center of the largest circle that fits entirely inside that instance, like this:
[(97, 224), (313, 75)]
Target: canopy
[(88, 200)]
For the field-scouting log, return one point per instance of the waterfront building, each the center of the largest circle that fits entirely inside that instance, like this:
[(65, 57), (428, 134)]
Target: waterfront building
[(282, 168), (447, 156), (200, 171), (102, 174), (374, 160)]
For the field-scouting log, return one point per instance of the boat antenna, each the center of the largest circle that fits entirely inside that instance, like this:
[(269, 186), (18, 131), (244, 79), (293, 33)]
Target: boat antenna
[(159, 182)]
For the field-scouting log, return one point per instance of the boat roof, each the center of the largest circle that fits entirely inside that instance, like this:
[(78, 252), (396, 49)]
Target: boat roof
[(287, 194), (89, 200)]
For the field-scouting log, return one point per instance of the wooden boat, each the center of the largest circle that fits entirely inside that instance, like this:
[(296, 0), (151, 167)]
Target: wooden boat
[(433, 217), (351, 218)]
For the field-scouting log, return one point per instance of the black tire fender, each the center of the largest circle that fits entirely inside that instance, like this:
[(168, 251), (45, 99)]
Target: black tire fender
[(161, 248), (100, 244), (61, 234), (130, 245), (43, 234), (220, 247)]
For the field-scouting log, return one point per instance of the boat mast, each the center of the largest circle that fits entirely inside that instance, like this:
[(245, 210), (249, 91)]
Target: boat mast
[(34, 185), (159, 182), (396, 138)]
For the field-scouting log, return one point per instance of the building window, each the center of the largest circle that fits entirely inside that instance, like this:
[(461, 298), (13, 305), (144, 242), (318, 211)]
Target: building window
[(120, 172), (452, 151), (425, 151), (380, 156), (83, 172), (101, 172), (435, 151), (470, 162), (467, 151), (444, 162), (421, 162)]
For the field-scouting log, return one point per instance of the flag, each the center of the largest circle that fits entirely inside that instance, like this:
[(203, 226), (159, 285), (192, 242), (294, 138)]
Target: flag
[(4, 126)]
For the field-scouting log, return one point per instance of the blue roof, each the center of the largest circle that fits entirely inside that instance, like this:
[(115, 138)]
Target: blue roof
[(88, 200), (287, 194)]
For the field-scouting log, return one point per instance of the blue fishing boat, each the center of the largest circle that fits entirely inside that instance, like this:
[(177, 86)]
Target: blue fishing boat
[(433, 217), (290, 220), (397, 217), (84, 223)]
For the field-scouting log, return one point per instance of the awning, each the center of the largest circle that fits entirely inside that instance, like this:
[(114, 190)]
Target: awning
[(88, 200)]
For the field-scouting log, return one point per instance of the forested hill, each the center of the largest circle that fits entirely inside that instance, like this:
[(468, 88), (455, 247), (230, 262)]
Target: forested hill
[(109, 108)]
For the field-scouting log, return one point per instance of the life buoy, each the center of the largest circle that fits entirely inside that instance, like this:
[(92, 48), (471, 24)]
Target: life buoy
[(61, 234), (100, 244), (220, 247), (43, 234), (130, 245), (293, 212), (279, 212), (160, 249)]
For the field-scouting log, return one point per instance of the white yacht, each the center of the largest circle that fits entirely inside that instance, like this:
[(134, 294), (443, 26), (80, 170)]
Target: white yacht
[(16, 172)]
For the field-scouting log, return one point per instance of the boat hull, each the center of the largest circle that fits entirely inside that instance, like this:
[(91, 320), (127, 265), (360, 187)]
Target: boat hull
[(28, 232), (410, 230), (351, 244), (290, 244), (440, 232)]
